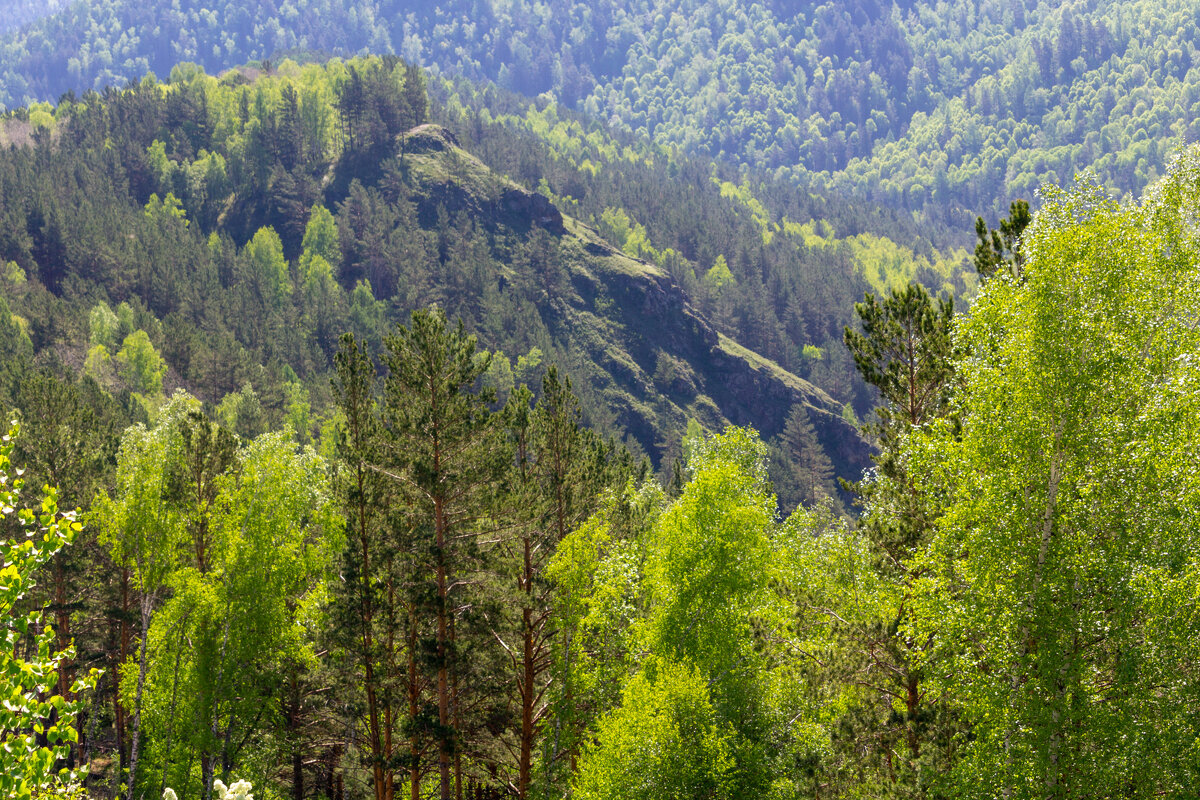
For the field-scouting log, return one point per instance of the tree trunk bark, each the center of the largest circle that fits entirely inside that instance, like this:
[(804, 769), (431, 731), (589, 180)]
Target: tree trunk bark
[(366, 617), (528, 676), (293, 721), (443, 652), (147, 602), (414, 698), (174, 697), (118, 709)]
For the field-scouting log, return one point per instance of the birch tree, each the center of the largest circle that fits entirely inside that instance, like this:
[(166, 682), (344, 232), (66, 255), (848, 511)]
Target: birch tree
[(1056, 576)]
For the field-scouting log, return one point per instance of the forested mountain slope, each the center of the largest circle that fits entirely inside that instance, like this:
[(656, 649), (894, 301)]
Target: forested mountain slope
[(262, 218), (951, 108), (19, 13), (776, 269)]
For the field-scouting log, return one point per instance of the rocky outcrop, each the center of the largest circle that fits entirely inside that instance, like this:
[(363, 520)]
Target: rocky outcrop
[(429, 138), (521, 204), (748, 389), (448, 176)]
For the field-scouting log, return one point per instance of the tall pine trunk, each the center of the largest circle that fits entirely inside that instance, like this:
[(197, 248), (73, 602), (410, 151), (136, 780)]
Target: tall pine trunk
[(443, 652), (414, 701)]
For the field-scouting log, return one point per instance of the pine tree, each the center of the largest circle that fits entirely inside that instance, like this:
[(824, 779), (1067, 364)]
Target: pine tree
[(558, 470), (1001, 250), (366, 621), (905, 350), (444, 456)]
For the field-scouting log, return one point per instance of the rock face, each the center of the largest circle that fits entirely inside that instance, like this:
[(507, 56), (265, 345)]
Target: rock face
[(430, 138), (449, 176), (642, 349), (519, 203)]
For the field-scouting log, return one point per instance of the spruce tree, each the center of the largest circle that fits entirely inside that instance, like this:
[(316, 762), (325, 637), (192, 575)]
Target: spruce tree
[(811, 466)]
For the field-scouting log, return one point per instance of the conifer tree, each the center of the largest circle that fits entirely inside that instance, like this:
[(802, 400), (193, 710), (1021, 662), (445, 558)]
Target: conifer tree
[(369, 619), (1001, 250), (810, 464), (558, 469), (444, 455), (905, 351)]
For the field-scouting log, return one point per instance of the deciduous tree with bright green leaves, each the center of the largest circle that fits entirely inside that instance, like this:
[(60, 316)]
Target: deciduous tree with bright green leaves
[(1061, 579), (266, 268), (699, 675), (664, 742), (142, 368), (37, 726), (240, 625)]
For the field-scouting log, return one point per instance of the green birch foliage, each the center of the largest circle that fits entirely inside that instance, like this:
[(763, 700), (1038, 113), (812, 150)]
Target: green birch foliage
[(706, 584), (825, 682), (599, 593), (222, 647), (267, 269), (1061, 581), (708, 574), (27, 708), (707, 565), (240, 573), (103, 326), (321, 236), (16, 349), (142, 368), (665, 742), (141, 529)]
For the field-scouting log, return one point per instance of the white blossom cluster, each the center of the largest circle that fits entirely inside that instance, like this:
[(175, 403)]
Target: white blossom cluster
[(239, 791)]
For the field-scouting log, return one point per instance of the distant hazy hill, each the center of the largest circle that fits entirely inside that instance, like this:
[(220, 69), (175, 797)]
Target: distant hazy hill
[(17, 13), (951, 107)]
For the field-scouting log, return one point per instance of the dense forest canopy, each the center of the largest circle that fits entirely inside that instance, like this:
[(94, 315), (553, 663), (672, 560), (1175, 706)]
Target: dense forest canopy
[(944, 108), (462, 599), (477, 433), (261, 197)]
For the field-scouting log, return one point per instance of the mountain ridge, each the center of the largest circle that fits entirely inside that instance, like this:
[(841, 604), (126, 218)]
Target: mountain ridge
[(655, 316), (254, 238)]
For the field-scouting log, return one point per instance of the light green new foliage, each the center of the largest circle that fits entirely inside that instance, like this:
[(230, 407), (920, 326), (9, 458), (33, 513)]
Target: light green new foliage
[(27, 707), (143, 532), (317, 269), (665, 742), (1061, 583), (706, 569), (718, 276), (825, 676), (139, 527), (597, 572), (242, 412), (232, 634), (103, 326), (699, 677), (268, 269), (142, 368), (321, 236)]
